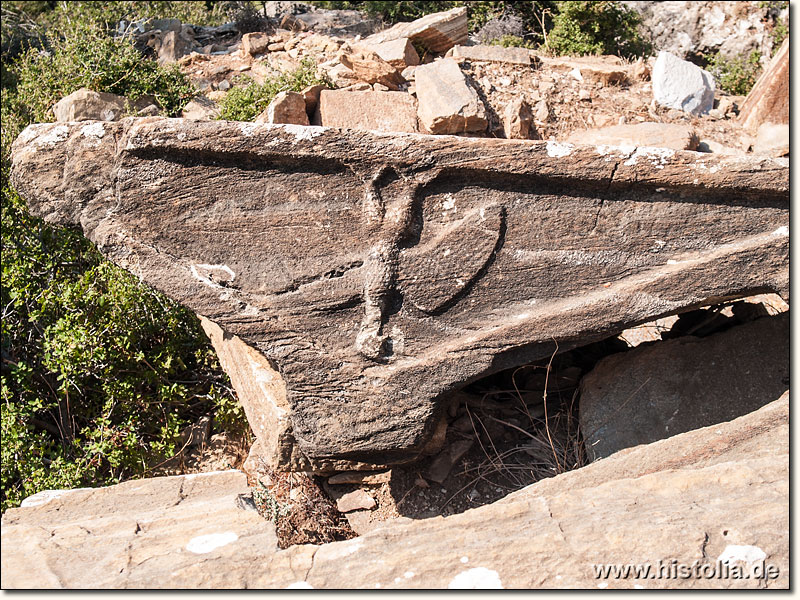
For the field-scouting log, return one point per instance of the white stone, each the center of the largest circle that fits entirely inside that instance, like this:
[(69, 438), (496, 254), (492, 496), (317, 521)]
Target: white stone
[(682, 85)]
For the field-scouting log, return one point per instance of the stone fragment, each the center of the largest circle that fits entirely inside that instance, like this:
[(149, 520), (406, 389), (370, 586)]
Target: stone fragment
[(706, 493), (517, 56), (447, 103), (86, 105), (200, 109), (682, 85), (768, 101), (311, 97), (657, 391), (368, 110), (399, 53), (173, 46), (370, 68), (254, 43), (375, 273), (661, 135), (286, 107), (444, 462), (641, 70), (605, 70), (438, 32), (518, 121), (356, 500), (542, 111), (360, 478), (772, 140)]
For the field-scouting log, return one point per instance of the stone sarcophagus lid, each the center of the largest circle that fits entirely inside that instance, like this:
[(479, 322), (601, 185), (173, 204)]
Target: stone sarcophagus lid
[(351, 280)]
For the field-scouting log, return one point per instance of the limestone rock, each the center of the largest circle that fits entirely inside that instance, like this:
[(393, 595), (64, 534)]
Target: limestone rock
[(368, 110), (772, 140), (255, 43), (287, 108), (768, 101), (399, 53), (438, 32), (356, 500), (657, 391), (518, 56), (86, 105), (200, 109), (370, 68), (518, 121), (718, 492), (680, 84), (376, 273), (447, 103), (662, 135)]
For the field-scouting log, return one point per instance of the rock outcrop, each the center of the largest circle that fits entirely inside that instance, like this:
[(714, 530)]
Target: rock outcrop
[(437, 32), (715, 500), (377, 273), (660, 390), (768, 101)]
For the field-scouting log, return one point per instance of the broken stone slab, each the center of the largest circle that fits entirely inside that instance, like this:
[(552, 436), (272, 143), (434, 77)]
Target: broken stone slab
[(377, 273), (367, 66), (87, 105), (517, 56), (287, 108), (518, 121), (368, 110), (102, 538), (660, 135), (355, 500), (682, 85), (772, 139), (660, 390), (768, 101), (447, 103), (438, 32), (606, 70), (399, 53)]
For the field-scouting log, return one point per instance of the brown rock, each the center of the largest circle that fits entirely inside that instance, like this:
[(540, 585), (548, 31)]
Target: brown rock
[(447, 103), (254, 43), (608, 70), (657, 391), (286, 107), (368, 110), (173, 46), (518, 121), (659, 135), (360, 478), (399, 53), (370, 68), (200, 109), (311, 96), (768, 101), (438, 32), (517, 56), (716, 492), (86, 105), (356, 500), (772, 140), (441, 223)]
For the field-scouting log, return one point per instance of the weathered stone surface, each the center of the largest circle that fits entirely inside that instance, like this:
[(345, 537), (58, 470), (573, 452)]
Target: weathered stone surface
[(692, 498), (355, 500), (86, 105), (660, 390), (608, 70), (772, 140), (200, 109), (378, 272), (311, 96), (768, 101), (368, 110), (447, 103), (518, 121), (360, 478), (518, 56), (173, 45), (286, 108), (254, 43), (680, 84), (399, 53), (659, 135), (437, 32), (370, 68)]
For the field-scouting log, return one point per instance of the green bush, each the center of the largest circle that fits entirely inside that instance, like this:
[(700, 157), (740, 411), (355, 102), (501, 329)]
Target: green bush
[(736, 75), (511, 41), (99, 372), (600, 27), (246, 102)]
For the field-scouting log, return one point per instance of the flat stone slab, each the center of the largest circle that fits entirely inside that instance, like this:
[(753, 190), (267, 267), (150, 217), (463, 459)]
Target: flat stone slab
[(376, 273), (519, 56), (697, 499)]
